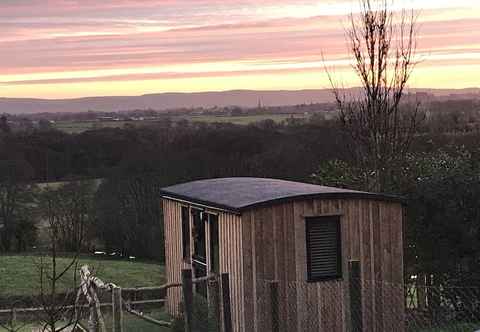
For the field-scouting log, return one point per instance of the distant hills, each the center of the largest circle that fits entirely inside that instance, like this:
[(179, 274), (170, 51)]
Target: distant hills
[(168, 101)]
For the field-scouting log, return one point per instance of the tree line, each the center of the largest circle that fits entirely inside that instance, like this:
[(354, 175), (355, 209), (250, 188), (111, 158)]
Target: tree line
[(123, 210), (133, 164), (379, 143)]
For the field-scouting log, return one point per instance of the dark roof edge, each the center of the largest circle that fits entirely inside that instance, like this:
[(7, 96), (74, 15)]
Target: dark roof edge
[(199, 202), (339, 195)]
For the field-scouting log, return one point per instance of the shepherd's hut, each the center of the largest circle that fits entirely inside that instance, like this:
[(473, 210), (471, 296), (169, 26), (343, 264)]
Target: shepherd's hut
[(335, 255)]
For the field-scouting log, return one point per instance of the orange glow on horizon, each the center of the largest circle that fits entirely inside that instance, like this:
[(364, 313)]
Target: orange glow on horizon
[(125, 47)]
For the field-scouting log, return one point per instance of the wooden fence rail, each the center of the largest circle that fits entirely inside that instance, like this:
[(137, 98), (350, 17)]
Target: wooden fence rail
[(218, 302), (83, 306), (155, 288), (89, 286)]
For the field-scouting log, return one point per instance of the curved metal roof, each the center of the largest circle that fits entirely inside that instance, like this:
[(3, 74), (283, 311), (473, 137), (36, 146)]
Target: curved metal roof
[(242, 193)]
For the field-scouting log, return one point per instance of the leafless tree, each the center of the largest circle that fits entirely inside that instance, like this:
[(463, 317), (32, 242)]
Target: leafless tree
[(127, 214), (14, 196), (75, 214), (378, 124), (57, 293)]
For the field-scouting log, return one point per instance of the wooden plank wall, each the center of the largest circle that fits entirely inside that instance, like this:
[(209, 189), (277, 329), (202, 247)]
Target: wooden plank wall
[(230, 238), (274, 248), (172, 216), (269, 244)]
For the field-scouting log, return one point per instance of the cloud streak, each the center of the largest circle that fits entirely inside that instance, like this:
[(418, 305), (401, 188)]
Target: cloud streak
[(67, 43)]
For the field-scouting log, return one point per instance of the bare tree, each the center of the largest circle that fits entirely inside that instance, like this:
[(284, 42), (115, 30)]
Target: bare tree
[(57, 293), (378, 125), (14, 197), (75, 214), (128, 214)]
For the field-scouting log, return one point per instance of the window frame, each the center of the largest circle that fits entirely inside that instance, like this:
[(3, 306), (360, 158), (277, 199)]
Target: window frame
[(186, 238), (195, 256), (328, 218), (214, 268)]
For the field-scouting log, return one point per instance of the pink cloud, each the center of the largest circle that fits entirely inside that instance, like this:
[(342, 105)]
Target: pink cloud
[(53, 36)]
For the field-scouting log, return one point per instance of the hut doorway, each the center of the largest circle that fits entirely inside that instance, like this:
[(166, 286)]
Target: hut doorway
[(206, 256), (199, 257)]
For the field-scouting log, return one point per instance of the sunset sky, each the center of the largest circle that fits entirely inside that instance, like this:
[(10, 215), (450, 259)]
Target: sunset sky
[(74, 48)]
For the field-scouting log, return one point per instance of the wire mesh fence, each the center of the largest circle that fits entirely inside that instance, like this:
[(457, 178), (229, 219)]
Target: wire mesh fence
[(297, 306), (216, 306), (71, 314), (36, 313), (143, 309), (442, 308), (380, 306), (203, 310), (11, 319)]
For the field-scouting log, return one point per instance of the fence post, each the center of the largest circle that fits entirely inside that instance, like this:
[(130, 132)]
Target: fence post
[(227, 313), (187, 287), (355, 286), (93, 323), (14, 317), (117, 309), (213, 301), (275, 306)]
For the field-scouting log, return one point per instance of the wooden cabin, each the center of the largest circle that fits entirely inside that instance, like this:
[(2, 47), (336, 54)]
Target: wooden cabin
[(301, 235)]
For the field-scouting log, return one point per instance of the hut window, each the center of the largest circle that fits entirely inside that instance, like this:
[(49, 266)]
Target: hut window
[(199, 260), (199, 245), (214, 247), (186, 233), (324, 258)]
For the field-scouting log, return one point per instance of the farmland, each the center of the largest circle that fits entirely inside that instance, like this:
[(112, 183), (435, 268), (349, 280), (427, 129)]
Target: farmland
[(75, 127)]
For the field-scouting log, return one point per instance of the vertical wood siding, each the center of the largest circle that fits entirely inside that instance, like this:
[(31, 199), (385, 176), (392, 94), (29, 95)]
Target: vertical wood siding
[(230, 238), (269, 243), (274, 248), (172, 216), (230, 250)]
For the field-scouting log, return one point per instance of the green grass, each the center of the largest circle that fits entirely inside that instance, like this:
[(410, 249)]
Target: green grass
[(19, 275), (26, 327), (75, 127), (133, 323), (22, 328), (240, 120), (130, 323), (460, 327)]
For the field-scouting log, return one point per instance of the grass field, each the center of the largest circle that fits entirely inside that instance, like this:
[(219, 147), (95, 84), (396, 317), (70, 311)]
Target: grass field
[(75, 127), (466, 327), (19, 275), (130, 323), (241, 120)]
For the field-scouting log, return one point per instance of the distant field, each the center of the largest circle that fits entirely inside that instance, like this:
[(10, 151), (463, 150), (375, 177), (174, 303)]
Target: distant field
[(19, 274), (241, 120), (75, 127)]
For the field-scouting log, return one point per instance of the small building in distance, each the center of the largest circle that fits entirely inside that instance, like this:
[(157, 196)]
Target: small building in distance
[(300, 235)]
